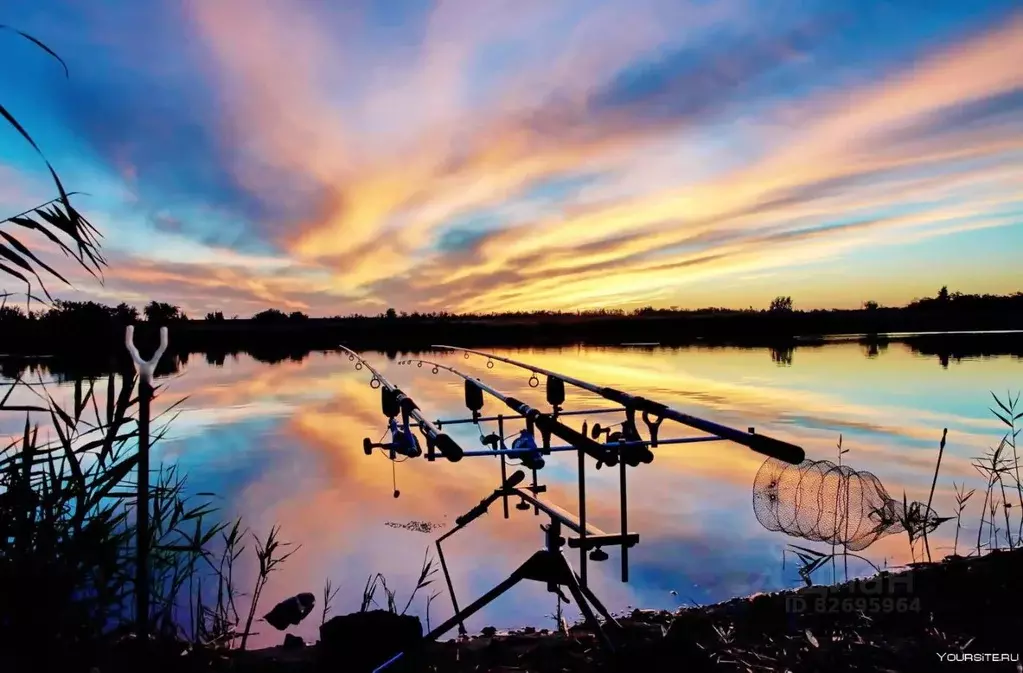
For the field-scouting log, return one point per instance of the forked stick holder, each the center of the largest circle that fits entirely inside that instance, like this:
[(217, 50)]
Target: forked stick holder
[(145, 368)]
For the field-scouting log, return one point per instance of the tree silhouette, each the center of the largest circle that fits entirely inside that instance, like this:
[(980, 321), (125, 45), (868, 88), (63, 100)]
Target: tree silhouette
[(125, 314), (11, 314), (161, 312), (943, 293), (271, 315), (870, 305), (781, 305), (391, 314)]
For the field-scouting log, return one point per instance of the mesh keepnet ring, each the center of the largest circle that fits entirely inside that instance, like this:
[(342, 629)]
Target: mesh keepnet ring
[(835, 504)]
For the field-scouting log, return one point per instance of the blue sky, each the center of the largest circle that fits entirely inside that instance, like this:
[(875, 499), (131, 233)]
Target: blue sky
[(506, 156)]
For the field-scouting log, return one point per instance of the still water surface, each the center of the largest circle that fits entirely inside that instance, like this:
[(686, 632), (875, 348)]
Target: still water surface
[(282, 444)]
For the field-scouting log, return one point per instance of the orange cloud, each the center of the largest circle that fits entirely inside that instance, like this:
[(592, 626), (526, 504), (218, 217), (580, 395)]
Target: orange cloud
[(683, 186), (377, 237)]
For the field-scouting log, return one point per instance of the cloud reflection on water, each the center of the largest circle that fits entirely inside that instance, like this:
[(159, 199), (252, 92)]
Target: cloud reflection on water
[(282, 444)]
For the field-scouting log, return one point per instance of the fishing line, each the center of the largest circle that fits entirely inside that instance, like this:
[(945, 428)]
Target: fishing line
[(394, 461), (479, 424)]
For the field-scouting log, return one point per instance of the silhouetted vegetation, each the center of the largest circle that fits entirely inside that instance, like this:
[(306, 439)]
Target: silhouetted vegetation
[(781, 305), (69, 366), (65, 329), (56, 220)]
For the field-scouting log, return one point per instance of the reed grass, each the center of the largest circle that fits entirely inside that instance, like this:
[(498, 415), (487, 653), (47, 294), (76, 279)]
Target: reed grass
[(65, 532), (429, 602), (811, 560), (329, 594), (962, 497), (998, 465), (270, 555), (1008, 413), (930, 496), (838, 497), (57, 220), (68, 540), (992, 465), (917, 518), (378, 580)]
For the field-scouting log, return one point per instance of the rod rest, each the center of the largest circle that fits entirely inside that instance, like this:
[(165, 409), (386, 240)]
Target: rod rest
[(605, 540)]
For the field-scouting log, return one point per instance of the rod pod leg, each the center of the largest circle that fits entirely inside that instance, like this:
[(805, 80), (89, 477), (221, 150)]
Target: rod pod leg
[(548, 567)]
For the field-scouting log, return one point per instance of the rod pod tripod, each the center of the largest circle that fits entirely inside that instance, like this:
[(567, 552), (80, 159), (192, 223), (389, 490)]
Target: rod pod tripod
[(547, 565)]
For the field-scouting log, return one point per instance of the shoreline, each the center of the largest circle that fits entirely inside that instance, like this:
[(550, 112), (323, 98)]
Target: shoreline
[(895, 621), (100, 329), (69, 364)]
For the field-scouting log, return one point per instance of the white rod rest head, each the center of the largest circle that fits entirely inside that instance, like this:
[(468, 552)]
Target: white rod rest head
[(129, 342), (145, 368)]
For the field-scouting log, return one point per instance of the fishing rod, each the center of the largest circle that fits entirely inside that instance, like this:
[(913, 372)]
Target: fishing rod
[(624, 448), (768, 446), (393, 402), (547, 424)]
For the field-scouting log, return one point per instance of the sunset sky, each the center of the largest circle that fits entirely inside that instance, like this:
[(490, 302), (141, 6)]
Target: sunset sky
[(472, 155)]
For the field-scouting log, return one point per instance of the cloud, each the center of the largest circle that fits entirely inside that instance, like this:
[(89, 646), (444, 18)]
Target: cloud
[(496, 154), (443, 156), (17, 192)]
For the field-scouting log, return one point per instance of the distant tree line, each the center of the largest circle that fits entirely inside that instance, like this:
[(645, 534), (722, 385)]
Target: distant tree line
[(68, 327), (88, 313)]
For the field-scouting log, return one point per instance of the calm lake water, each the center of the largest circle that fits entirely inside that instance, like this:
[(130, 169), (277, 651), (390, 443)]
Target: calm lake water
[(282, 444)]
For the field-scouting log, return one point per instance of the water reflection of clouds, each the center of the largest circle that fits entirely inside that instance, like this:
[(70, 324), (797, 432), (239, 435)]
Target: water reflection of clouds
[(282, 444)]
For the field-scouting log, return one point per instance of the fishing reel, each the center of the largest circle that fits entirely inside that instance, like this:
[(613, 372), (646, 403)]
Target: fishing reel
[(627, 441), (627, 433), (403, 442), (531, 456)]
